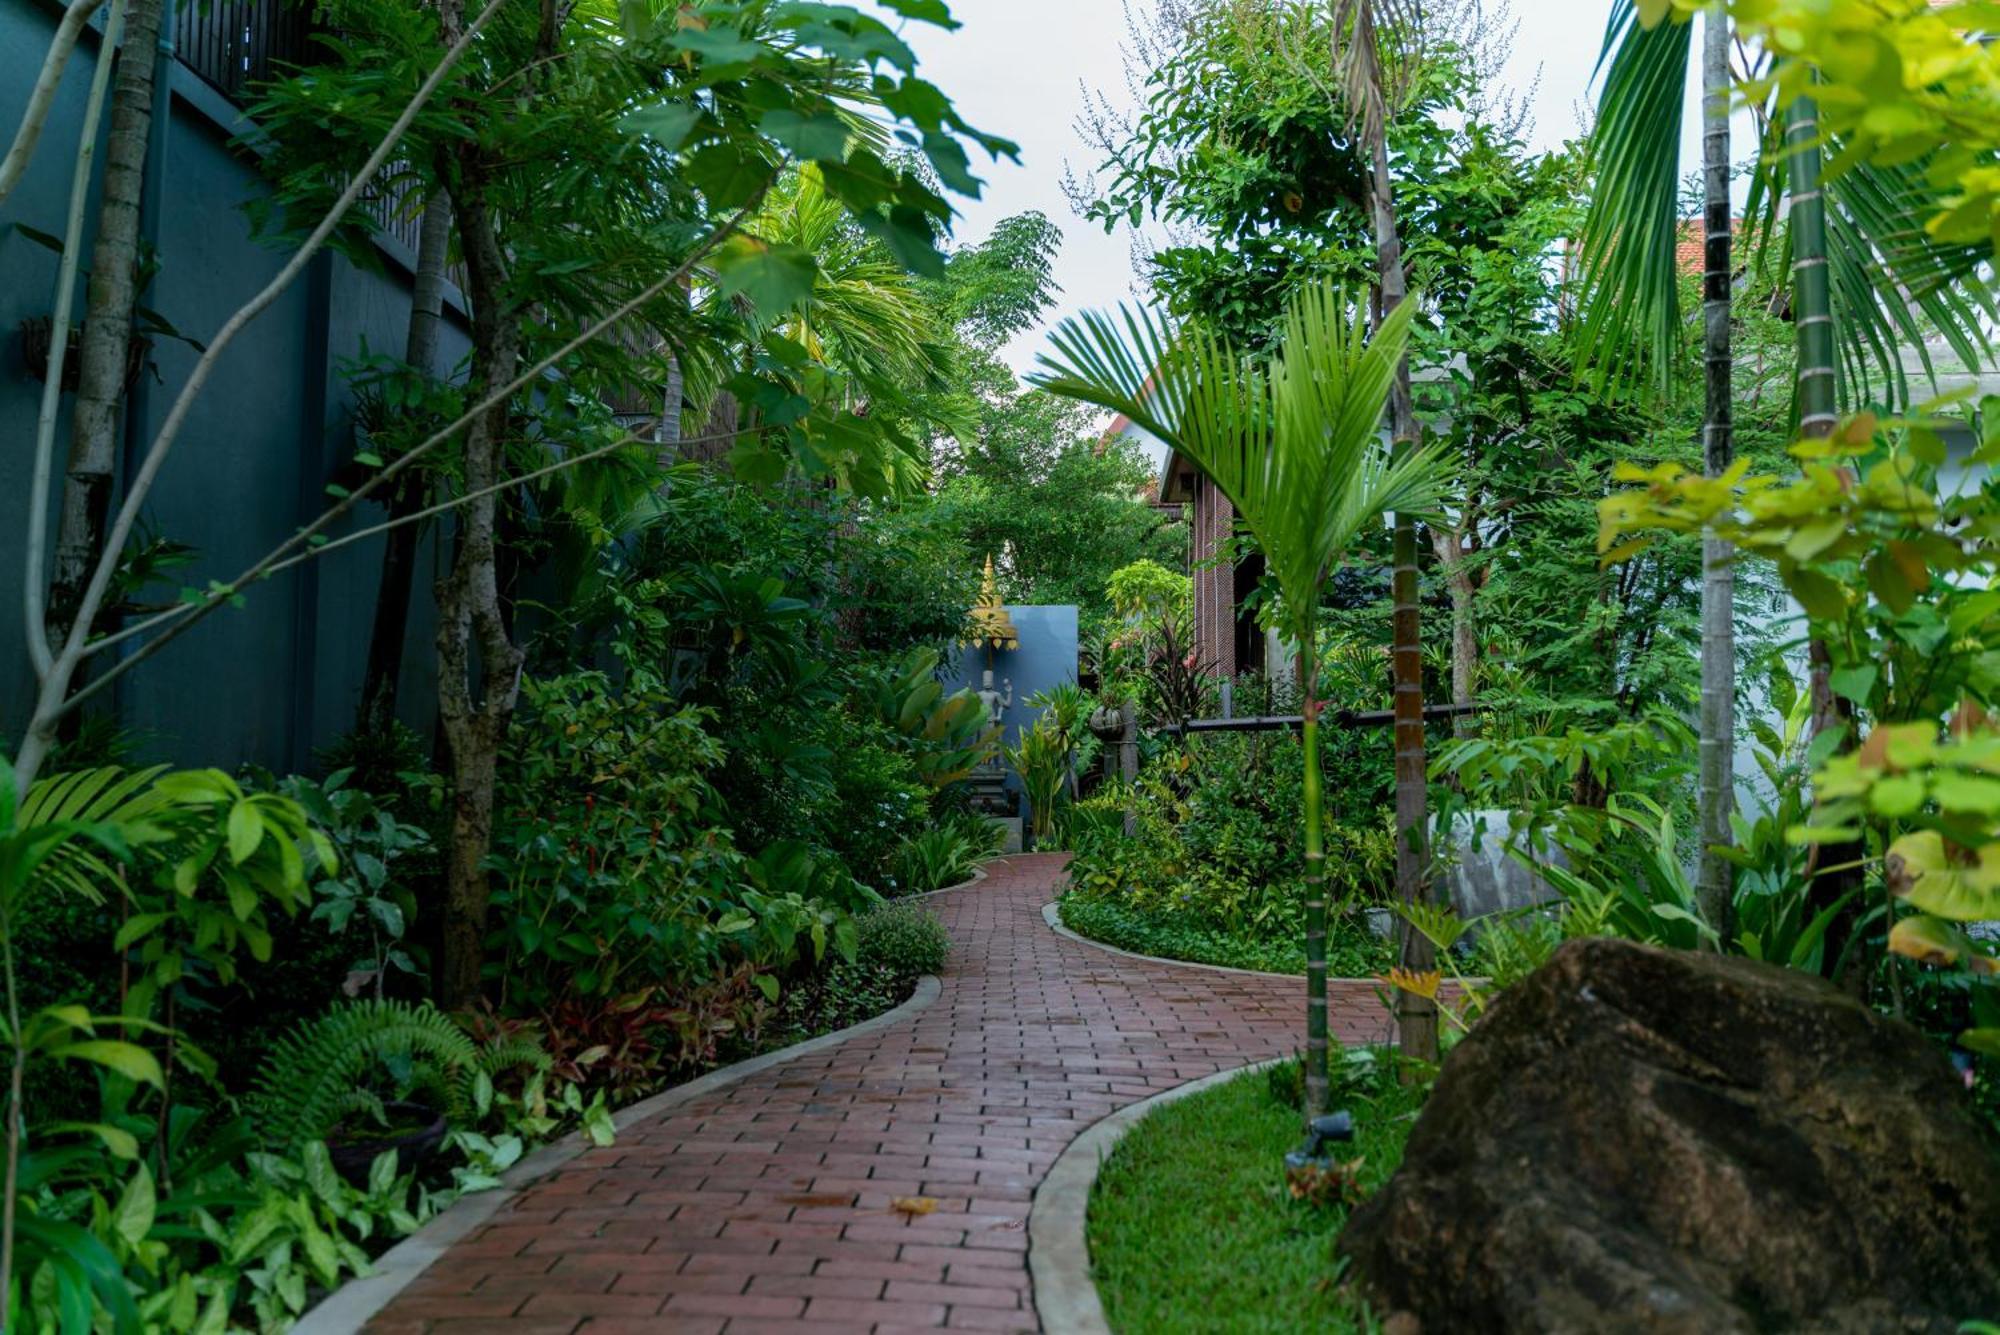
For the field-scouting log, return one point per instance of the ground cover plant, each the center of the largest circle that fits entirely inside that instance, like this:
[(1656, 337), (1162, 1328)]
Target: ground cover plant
[(1194, 1201)]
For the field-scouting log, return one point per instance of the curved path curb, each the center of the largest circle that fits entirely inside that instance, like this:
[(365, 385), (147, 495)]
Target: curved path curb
[(880, 1184), (349, 1307), (1058, 1246), (1052, 915)]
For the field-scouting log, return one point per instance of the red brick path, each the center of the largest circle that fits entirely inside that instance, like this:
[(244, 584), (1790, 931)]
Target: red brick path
[(767, 1206)]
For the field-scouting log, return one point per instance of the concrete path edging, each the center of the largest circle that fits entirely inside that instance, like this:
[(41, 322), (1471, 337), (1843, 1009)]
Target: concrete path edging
[(978, 875), (350, 1307), (1058, 1248), (1052, 915)]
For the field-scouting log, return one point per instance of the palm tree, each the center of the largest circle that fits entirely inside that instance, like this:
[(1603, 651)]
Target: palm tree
[(1637, 177), (1870, 282), (1363, 28), (1295, 442)]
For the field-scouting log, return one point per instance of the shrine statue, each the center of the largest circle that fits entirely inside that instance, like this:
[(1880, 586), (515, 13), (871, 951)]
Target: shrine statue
[(996, 703)]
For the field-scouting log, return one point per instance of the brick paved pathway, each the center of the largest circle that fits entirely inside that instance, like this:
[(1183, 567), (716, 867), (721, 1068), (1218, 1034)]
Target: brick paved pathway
[(767, 1206)]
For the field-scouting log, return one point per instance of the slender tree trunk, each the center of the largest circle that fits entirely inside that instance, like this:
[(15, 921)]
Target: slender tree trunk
[(479, 666), (1812, 315), (1812, 294), (1318, 1090), (107, 321), (1449, 547), (1718, 636), (1416, 1017), (399, 555)]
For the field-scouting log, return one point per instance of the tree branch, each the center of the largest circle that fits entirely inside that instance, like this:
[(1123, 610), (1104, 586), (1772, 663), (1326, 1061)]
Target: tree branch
[(187, 616), (33, 577), (55, 682), (15, 165)]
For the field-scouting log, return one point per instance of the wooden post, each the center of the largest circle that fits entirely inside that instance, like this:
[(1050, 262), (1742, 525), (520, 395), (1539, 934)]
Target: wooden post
[(1128, 763)]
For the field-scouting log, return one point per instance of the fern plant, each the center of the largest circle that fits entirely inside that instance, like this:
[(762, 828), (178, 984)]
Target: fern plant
[(317, 1069)]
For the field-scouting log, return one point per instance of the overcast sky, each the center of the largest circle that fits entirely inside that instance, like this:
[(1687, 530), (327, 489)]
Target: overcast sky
[(1018, 68)]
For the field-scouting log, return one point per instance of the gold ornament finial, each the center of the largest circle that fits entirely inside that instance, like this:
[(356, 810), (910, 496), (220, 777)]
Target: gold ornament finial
[(988, 624)]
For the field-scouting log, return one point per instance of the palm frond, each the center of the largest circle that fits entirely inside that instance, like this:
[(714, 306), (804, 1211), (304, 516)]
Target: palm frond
[(1629, 314), (1295, 444), (1894, 285), (110, 795)]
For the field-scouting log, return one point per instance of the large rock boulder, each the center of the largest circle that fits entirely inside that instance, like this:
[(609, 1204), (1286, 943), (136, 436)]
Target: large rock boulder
[(1644, 1140)]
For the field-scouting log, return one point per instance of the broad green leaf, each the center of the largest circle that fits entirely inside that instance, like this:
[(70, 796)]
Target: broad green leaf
[(121, 1143), (132, 1217), (667, 124), (1854, 682), (246, 831), (1822, 599), (817, 137), (128, 1059), (1897, 795), (773, 278), (1958, 792), (1963, 890)]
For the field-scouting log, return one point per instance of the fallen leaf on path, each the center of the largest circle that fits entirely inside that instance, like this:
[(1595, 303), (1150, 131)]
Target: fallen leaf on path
[(912, 1205)]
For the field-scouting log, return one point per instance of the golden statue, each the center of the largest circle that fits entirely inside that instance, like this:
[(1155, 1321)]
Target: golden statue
[(988, 624)]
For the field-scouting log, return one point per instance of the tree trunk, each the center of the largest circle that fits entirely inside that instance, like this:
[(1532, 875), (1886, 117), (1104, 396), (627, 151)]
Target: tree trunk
[(479, 666), (1416, 1017), (1716, 797), (1449, 547), (107, 321), (1812, 315), (1319, 1095), (390, 632)]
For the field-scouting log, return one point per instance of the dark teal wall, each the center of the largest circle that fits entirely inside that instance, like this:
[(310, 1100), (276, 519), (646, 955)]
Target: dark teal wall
[(268, 682)]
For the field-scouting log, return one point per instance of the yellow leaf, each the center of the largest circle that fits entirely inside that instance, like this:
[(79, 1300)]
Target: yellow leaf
[(1933, 941), (1423, 983), (913, 1205)]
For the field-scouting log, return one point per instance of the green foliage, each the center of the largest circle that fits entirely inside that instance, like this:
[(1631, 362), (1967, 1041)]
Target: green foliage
[(368, 891), (1041, 761), (1293, 442), (1058, 509), (1193, 1201), (945, 855), (619, 867), (948, 735), (313, 1072), (1352, 951), (1147, 589), (904, 938)]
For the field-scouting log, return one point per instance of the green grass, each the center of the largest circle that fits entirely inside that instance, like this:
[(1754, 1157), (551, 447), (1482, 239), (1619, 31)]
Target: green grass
[(1191, 1227), (1351, 951)]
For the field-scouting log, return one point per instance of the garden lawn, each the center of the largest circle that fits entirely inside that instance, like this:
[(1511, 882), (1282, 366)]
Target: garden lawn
[(1351, 951), (1191, 1226)]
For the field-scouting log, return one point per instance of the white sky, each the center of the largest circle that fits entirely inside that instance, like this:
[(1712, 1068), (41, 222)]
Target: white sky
[(1017, 68)]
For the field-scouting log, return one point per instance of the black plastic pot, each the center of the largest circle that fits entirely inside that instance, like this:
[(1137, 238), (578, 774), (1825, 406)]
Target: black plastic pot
[(353, 1158), (35, 340)]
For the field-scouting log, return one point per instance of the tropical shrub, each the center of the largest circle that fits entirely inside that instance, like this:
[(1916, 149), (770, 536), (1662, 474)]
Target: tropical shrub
[(879, 802), (618, 870), (1041, 762), (945, 854), (903, 938)]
